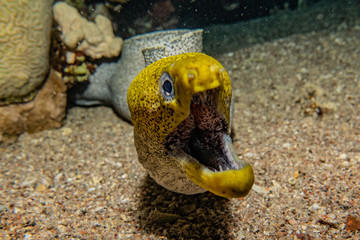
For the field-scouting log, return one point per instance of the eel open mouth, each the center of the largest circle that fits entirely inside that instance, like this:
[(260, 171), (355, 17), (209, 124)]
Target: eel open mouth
[(203, 135), (205, 149)]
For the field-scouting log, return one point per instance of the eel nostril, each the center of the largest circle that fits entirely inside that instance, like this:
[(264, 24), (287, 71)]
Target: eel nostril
[(191, 74)]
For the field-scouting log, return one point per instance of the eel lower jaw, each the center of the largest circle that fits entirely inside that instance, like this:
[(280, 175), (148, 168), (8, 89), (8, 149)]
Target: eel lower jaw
[(234, 180)]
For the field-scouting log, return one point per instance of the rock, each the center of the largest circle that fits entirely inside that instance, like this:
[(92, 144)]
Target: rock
[(45, 111)]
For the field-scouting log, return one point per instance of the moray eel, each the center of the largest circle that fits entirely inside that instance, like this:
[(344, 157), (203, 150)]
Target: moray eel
[(180, 107)]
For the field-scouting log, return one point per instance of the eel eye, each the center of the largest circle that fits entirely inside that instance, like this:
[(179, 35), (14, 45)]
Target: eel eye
[(167, 87)]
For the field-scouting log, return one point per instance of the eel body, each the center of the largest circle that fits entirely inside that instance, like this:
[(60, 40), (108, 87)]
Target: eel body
[(180, 107)]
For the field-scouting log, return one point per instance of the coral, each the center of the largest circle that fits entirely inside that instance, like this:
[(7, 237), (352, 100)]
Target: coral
[(79, 72), (45, 111), (72, 66), (25, 40), (95, 39)]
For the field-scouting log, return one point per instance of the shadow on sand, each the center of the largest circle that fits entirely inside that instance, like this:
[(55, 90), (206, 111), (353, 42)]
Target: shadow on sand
[(178, 216)]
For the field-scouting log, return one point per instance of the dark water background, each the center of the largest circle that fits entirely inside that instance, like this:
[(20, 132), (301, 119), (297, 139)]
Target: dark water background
[(232, 24)]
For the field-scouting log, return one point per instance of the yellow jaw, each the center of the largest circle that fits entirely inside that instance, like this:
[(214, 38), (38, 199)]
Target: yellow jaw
[(229, 183)]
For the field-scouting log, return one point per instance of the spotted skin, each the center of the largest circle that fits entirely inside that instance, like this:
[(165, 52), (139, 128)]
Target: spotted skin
[(154, 118)]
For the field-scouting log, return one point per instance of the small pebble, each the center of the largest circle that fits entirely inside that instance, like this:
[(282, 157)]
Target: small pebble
[(40, 187), (61, 228), (258, 189), (249, 154), (123, 217), (27, 236), (343, 156), (314, 207), (329, 219), (287, 145), (292, 181), (59, 177), (66, 131)]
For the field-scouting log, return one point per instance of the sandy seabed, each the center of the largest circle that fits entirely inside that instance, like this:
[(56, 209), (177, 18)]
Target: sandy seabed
[(296, 120)]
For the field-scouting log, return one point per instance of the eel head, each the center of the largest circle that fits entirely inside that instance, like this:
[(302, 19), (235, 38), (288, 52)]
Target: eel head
[(184, 112)]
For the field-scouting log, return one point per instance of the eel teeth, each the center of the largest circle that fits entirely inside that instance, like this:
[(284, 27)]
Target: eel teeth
[(204, 98)]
